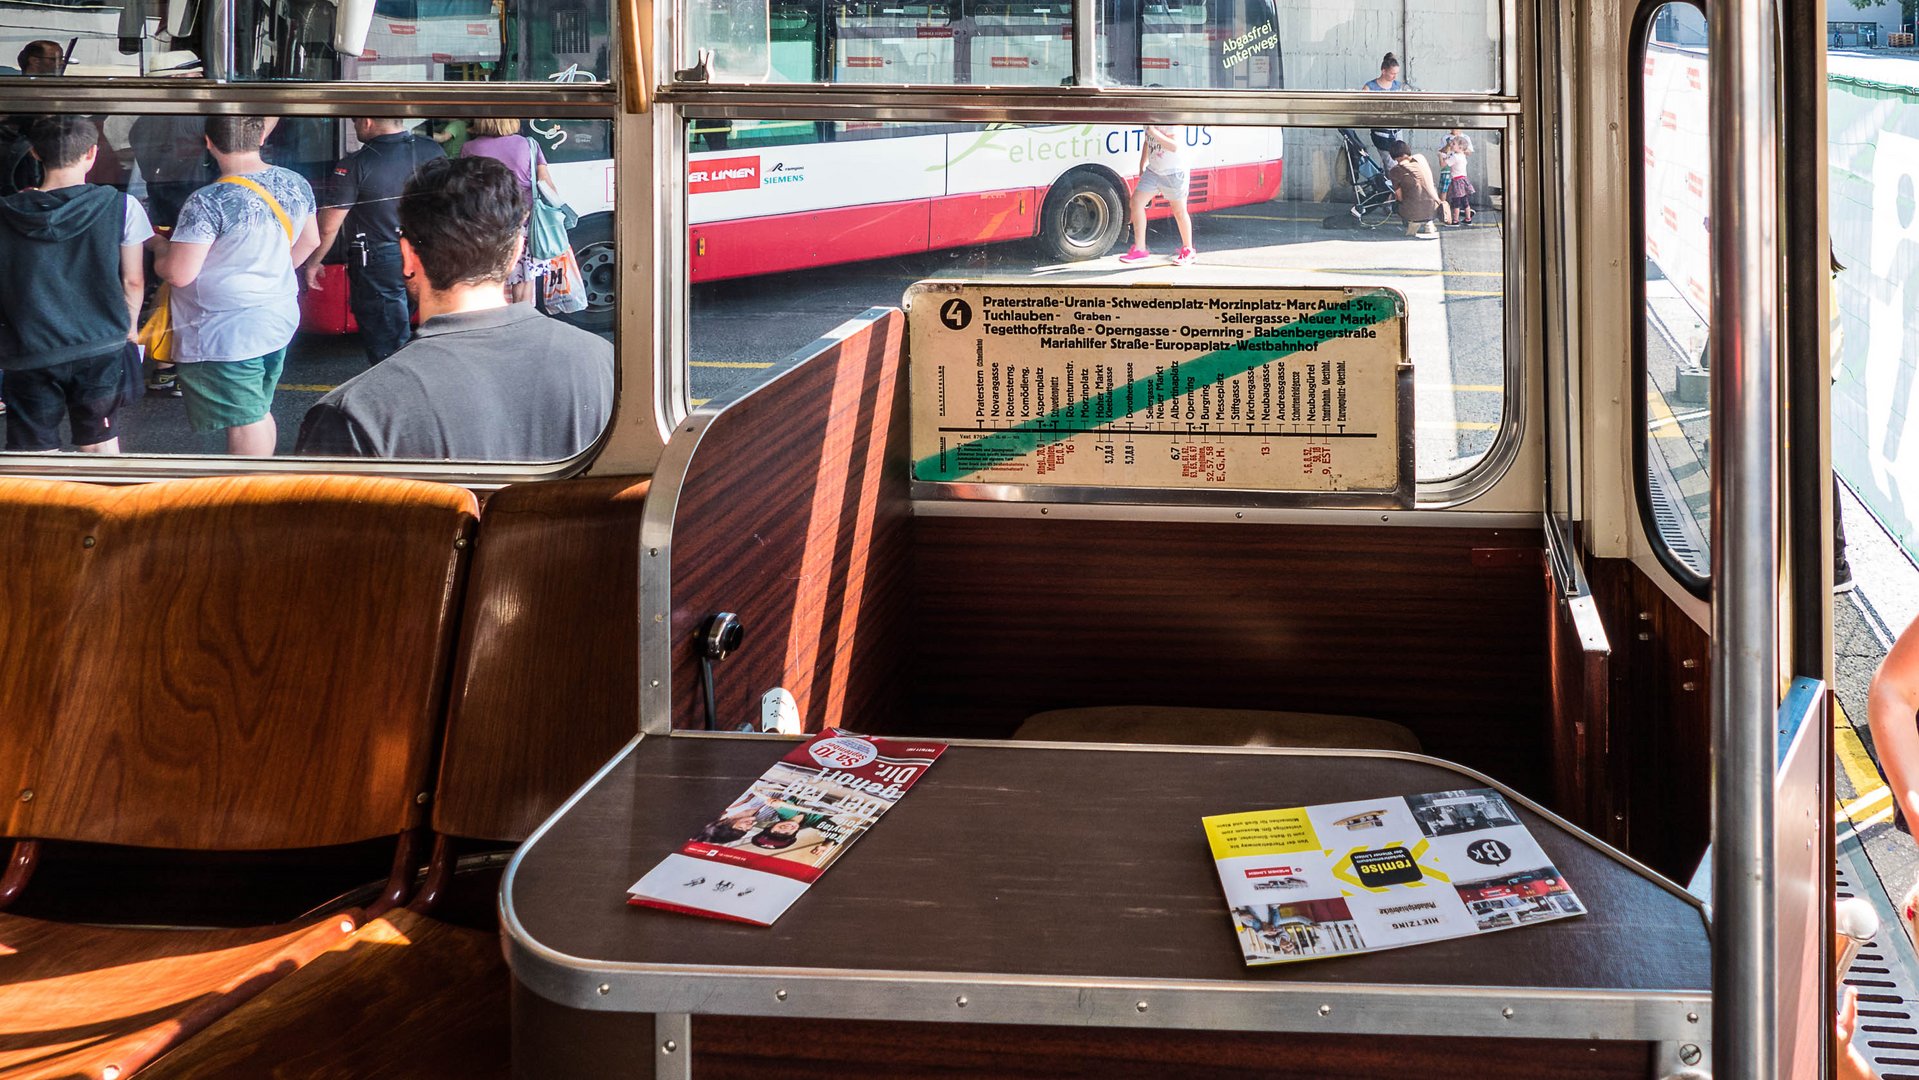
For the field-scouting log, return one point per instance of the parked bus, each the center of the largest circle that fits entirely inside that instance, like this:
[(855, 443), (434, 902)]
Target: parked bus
[(789, 195)]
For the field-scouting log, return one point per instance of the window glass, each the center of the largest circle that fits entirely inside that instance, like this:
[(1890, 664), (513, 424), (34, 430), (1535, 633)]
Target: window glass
[(1674, 170), (785, 242), (551, 41), (1199, 44), (46, 40), (274, 349)]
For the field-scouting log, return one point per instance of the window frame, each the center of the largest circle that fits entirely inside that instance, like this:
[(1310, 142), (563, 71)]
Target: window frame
[(1699, 585), (336, 100)]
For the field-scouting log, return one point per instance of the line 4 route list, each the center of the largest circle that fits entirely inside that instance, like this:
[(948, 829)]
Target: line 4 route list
[(1158, 386)]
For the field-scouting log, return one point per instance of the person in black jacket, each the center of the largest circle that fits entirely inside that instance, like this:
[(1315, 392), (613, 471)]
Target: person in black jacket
[(71, 282)]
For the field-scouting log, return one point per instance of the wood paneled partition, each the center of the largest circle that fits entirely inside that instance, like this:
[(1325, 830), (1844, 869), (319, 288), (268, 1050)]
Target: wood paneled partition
[(792, 513), (1437, 629)]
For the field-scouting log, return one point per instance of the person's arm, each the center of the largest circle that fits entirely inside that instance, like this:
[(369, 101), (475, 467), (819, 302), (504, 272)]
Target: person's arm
[(329, 219), (133, 281), (307, 242), (1891, 706), (178, 262), (327, 431)]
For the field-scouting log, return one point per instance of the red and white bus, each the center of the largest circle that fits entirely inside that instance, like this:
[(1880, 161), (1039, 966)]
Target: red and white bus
[(771, 196)]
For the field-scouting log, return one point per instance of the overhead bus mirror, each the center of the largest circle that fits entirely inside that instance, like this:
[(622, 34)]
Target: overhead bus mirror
[(351, 24)]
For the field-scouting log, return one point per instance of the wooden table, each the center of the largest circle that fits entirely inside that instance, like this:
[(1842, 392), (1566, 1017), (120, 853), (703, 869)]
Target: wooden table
[(1034, 883)]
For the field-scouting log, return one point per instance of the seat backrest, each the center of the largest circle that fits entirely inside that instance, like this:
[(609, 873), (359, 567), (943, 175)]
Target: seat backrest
[(546, 680), (246, 663)]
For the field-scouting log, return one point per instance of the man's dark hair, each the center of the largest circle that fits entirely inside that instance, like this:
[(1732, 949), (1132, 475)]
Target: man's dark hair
[(60, 141), (1400, 149), (236, 134), (463, 217), (39, 50)]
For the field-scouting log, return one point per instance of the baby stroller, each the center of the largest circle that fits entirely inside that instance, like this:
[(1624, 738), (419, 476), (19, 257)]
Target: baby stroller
[(1373, 198)]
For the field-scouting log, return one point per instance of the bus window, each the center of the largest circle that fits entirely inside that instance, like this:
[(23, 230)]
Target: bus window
[(243, 305), (1672, 205), (534, 41), (39, 40), (785, 242), (1187, 44)]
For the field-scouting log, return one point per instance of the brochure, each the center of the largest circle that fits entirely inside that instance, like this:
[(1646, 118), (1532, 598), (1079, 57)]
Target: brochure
[(1363, 876), (752, 861)]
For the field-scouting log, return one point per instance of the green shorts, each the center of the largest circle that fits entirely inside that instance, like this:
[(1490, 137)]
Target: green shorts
[(223, 394)]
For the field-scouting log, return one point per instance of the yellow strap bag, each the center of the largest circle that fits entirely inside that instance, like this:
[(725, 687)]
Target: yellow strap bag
[(156, 333)]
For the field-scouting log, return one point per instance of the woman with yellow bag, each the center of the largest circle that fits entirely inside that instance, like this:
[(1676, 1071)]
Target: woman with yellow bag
[(235, 298)]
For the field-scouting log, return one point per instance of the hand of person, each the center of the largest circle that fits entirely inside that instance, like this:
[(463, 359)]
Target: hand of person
[(1852, 1064), (310, 277)]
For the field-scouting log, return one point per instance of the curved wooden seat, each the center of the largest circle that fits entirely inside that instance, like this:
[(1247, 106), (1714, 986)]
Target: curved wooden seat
[(100, 1001), (544, 691), (406, 998), (225, 664), (1180, 725)]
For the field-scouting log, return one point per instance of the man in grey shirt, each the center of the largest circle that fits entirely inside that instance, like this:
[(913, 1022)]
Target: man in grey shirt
[(482, 379)]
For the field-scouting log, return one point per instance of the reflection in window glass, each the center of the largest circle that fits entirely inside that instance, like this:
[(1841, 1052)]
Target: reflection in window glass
[(551, 41), (1674, 171), (41, 40), (248, 302), (795, 227), (1200, 44)]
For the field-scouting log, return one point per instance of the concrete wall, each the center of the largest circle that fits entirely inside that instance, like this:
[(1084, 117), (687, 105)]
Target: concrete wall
[(1445, 46)]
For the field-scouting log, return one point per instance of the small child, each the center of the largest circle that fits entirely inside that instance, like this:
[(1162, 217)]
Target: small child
[(1454, 183)]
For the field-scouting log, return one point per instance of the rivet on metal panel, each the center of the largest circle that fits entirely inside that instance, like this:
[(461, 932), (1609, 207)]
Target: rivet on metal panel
[(656, 682), (1645, 616), (1690, 1054), (669, 1046), (1688, 686), (604, 989), (1045, 509), (1692, 1018), (1141, 1006), (659, 618), (422, 797), (1688, 663), (1325, 1010), (654, 552), (960, 1001), (1643, 636), (86, 541), (1507, 1012), (460, 542), (26, 795), (1239, 513), (779, 995)]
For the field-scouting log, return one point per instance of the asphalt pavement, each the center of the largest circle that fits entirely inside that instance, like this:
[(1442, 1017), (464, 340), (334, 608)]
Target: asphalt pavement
[(745, 331)]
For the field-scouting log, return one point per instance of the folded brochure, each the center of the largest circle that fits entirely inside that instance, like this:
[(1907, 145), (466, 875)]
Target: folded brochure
[(752, 861), (1363, 876)]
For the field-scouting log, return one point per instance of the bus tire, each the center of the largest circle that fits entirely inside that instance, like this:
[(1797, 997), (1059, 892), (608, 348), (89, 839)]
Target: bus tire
[(1082, 218), (599, 269)]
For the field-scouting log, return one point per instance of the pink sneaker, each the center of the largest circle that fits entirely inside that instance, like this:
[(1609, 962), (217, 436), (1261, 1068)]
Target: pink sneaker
[(1185, 256), (1135, 255)]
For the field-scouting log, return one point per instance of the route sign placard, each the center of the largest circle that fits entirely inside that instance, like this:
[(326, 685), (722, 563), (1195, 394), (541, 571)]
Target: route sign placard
[(1161, 387)]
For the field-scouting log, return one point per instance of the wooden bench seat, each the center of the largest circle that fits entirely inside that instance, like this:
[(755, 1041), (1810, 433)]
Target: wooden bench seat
[(545, 690), (224, 664), (1181, 725)]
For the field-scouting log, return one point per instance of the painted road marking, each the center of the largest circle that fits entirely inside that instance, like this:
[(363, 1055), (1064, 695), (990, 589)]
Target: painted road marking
[(306, 388), (749, 365)]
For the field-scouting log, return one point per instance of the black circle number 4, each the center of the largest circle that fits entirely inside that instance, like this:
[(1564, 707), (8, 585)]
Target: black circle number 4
[(956, 314)]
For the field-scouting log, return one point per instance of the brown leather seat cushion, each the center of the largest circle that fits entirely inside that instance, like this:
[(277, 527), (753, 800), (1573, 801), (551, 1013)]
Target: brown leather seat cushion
[(96, 1001), (406, 998), (1177, 725)]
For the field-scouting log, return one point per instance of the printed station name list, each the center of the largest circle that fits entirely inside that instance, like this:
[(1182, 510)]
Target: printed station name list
[(1085, 391)]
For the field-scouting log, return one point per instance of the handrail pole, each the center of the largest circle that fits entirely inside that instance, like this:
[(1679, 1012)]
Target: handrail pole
[(1745, 536)]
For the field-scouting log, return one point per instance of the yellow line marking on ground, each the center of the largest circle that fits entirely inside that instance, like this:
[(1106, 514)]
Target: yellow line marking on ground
[(1860, 769), (699, 401), (310, 388), (752, 365), (1873, 798)]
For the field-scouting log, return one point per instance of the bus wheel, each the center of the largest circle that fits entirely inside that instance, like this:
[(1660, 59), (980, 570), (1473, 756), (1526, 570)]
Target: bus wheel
[(1082, 218), (599, 268)]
